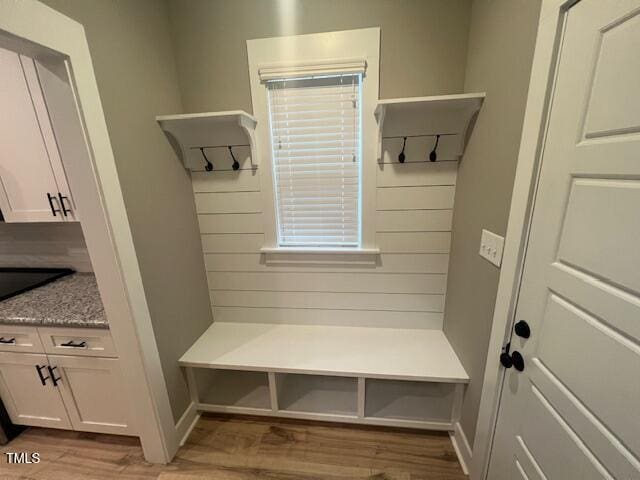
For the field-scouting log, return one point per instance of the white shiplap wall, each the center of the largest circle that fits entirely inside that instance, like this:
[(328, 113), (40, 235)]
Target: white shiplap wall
[(406, 289)]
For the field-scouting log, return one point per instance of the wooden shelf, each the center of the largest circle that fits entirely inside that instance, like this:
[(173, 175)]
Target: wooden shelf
[(214, 131), (402, 354), (421, 118)]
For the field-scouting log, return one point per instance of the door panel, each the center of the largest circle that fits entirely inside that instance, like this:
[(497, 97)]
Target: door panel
[(91, 389), (601, 299), (553, 444), (585, 424), (572, 412), (613, 105), (524, 463), (521, 473), (591, 227), (595, 363), (27, 400)]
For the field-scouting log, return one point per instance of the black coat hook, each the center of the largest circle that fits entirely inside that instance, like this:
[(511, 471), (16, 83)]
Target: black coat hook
[(235, 164), (401, 157), (209, 166), (433, 156)]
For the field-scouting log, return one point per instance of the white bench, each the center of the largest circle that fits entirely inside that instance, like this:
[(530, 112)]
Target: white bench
[(379, 376)]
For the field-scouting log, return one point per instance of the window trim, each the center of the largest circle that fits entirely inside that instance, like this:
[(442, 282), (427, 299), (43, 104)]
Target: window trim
[(367, 257), (332, 53), (330, 67)]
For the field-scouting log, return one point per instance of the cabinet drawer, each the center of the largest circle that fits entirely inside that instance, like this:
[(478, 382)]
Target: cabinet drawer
[(15, 338), (77, 341)]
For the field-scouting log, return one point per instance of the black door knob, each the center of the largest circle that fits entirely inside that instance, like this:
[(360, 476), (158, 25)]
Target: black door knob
[(505, 360), (514, 359), (522, 329), (518, 361)]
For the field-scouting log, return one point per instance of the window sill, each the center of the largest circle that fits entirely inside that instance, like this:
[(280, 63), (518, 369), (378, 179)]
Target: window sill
[(320, 256)]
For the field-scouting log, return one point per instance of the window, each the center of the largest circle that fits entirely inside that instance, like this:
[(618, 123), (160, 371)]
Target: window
[(319, 200), (316, 150)]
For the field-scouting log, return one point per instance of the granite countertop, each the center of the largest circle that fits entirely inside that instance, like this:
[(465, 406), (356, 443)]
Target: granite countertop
[(71, 301)]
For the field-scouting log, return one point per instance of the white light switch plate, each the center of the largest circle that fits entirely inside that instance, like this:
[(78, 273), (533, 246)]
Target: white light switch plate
[(491, 246)]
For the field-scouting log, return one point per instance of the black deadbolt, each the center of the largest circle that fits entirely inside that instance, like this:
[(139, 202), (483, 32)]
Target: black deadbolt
[(522, 329)]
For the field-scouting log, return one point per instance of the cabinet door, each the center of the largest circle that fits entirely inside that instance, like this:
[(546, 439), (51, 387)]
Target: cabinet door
[(28, 152), (63, 114), (93, 394), (26, 399)]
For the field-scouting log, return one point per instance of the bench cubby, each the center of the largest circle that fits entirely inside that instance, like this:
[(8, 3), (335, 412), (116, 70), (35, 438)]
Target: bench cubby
[(231, 388), (408, 401), (317, 394)]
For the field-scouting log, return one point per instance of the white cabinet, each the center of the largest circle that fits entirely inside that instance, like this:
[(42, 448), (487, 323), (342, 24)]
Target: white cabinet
[(33, 184), (74, 391), (90, 388), (28, 393)]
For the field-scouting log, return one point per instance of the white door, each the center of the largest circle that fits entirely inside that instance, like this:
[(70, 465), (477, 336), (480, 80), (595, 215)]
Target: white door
[(574, 412), (33, 184), (93, 393), (28, 393)]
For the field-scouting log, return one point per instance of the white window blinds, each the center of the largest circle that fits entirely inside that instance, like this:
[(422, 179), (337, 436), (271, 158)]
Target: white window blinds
[(315, 138)]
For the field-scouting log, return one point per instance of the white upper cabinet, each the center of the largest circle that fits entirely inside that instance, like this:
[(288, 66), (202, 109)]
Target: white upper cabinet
[(33, 184)]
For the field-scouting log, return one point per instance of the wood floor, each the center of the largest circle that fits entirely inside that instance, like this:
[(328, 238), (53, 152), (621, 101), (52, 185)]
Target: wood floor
[(243, 448)]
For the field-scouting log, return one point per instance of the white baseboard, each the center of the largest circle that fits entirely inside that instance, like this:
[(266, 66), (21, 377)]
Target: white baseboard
[(187, 421), (461, 446)]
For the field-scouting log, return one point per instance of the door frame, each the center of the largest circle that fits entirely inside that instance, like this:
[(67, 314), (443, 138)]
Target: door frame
[(541, 87), (35, 28)]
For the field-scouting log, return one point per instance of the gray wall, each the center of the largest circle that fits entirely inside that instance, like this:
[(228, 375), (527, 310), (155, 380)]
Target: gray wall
[(135, 69), (210, 41), (423, 43), (501, 43)]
